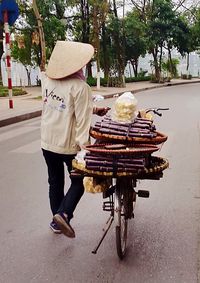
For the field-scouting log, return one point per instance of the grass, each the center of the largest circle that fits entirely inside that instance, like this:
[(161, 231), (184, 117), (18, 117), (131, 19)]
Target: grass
[(16, 91), (39, 97)]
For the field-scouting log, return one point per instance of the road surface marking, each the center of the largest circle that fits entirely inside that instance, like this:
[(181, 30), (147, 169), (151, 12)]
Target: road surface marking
[(32, 147), (17, 132)]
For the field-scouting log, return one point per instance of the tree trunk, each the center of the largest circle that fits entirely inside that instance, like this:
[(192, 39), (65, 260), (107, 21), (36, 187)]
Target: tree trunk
[(119, 49), (134, 63), (85, 19), (96, 42), (28, 76), (41, 34), (170, 61), (156, 65), (188, 63), (105, 52), (160, 62)]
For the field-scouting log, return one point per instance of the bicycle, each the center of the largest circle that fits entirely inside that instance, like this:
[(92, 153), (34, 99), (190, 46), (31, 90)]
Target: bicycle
[(122, 196), (121, 204)]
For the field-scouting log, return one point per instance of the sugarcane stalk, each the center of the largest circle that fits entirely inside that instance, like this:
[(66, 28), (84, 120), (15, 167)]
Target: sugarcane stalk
[(110, 169), (109, 163), (89, 157)]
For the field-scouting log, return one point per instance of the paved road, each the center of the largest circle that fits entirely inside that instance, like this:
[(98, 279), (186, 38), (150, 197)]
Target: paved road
[(163, 238)]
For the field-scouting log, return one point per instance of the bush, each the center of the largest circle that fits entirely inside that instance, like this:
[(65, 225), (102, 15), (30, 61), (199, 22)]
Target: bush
[(16, 91), (93, 81), (186, 77), (138, 79), (170, 66), (162, 79), (104, 82)]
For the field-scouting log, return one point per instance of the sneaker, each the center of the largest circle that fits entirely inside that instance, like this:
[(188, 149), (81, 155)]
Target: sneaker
[(54, 227), (61, 220)]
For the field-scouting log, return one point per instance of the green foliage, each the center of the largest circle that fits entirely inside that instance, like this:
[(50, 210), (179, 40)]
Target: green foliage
[(115, 43), (170, 66), (23, 55), (93, 81), (104, 82), (52, 13), (195, 29), (16, 91), (182, 36), (165, 29), (135, 39), (138, 79), (151, 26), (160, 22), (186, 77)]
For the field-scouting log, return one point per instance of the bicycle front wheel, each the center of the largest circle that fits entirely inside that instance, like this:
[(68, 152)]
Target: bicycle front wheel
[(121, 228)]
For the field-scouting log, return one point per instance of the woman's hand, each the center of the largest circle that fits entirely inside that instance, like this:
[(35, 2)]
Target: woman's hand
[(101, 111)]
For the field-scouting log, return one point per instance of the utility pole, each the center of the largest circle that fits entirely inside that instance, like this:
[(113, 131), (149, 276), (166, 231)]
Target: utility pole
[(9, 12)]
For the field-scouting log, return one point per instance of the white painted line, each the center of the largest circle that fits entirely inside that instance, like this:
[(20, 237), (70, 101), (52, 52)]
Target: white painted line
[(30, 148), (17, 132)]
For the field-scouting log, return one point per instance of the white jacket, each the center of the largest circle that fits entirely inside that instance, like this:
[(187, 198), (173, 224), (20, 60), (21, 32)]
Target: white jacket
[(66, 115)]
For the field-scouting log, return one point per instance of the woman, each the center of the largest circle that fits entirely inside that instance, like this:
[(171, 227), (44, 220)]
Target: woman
[(66, 119)]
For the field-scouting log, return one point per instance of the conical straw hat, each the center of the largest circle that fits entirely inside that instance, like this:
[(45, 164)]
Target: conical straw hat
[(67, 58)]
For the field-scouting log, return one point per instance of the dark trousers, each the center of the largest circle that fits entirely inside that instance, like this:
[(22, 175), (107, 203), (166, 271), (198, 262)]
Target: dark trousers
[(56, 178)]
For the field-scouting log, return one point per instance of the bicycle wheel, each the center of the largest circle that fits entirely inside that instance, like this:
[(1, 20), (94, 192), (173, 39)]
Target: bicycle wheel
[(121, 221), (125, 200)]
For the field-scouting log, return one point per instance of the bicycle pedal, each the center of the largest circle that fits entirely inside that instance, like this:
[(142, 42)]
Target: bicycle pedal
[(108, 206), (143, 194)]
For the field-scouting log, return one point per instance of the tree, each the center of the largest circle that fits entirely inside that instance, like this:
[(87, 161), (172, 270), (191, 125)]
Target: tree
[(24, 55), (165, 29), (46, 19), (159, 31), (41, 36), (99, 14), (152, 26), (80, 24), (183, 38), (195, 29), (170, 66), (135, 40), (115, 39)]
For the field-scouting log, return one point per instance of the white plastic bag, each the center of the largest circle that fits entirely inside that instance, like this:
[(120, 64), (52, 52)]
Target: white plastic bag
[(124, 109), (80, 156)]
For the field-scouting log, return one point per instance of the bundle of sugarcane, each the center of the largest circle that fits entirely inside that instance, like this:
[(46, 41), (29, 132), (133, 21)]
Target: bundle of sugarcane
[(155, 167), (110, 164), (140, 127), (141, 130), (106, 157)]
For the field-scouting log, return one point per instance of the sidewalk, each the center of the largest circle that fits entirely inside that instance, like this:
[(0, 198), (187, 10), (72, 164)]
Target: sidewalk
[(28, 106)]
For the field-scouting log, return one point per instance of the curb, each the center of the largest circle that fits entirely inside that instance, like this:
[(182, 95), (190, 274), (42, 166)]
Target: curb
[(38, 113), (151, 87), (20, 118)]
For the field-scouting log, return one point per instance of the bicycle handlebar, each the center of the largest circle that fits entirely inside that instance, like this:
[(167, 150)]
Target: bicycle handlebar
[(156, 110)]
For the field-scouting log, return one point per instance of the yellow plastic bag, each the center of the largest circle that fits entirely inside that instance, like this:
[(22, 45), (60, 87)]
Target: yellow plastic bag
[(96, 185)]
